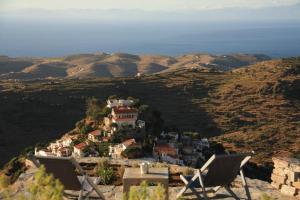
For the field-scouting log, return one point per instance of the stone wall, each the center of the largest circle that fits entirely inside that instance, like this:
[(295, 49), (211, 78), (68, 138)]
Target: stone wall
[(286, 176)]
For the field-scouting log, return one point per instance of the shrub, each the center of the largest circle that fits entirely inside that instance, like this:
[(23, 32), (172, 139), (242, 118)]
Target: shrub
[(93, 108), (14, 168), (79, 124), (132, 152), (4, 181), (105, 172), (103, 148), (103, 163), (43, 187), (85, 129), (136, 102), (264, 196), (142, 193)]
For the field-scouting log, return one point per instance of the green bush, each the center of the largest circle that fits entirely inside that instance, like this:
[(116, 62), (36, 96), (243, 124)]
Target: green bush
[(105, 172), (93, 109), (85, 129), (132, 152), (106, 175), (143, 108), (136, 102), (4, 182), (79, 124), (14, 168), (265, 197), (103, 148), (142, 193), (43, 187)]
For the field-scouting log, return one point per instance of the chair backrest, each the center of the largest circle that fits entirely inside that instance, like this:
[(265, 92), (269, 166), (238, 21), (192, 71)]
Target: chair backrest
[(62, 169), (221, 170)]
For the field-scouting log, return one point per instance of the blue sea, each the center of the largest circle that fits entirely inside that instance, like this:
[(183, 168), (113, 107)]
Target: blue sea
[(24, 38)]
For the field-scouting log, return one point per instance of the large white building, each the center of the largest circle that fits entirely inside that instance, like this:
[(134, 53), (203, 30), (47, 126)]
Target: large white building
[(122, 117), (111, 103)]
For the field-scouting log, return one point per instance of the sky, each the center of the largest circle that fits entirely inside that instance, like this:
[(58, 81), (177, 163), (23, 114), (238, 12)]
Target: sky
[(147, 5)]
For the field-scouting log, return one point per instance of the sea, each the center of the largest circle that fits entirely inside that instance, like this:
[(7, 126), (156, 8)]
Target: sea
[(50, 39)]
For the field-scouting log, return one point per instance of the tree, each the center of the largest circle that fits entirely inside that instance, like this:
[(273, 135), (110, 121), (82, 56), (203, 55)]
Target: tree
[(85, 129), (43, 187), (155, 123), (93, 109), (103, 148), (132, 152), (143, 108), (105, 172), (142, 193), (136, 102)]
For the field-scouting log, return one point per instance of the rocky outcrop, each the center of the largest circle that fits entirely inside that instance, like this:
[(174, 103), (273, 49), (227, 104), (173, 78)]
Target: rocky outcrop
[(286, 176)]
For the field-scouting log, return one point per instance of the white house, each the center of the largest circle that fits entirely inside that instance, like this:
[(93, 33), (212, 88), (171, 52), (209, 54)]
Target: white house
[(61, 148), (43, 152), (95, 136), (167, 153), (66, 142), (80, 149), (64, 152), (115, 151), (111, 103), (123, 117)]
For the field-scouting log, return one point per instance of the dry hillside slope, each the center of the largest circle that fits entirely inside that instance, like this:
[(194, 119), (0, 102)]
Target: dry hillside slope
[(115, 65), (255, 108)]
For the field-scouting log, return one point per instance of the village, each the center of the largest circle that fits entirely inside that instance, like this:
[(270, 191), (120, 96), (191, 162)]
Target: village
[(121, 135)]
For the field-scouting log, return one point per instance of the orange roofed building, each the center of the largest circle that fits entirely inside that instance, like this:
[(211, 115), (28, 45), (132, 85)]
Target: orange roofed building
[(115, 151), (167, 153), (80, 149), (95, 136), (122, 117)]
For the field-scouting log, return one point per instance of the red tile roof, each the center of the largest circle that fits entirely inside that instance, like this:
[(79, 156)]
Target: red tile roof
[(129, 142), (96, 133), (120, 110), (81, 145), (105, 139), (165, 148)]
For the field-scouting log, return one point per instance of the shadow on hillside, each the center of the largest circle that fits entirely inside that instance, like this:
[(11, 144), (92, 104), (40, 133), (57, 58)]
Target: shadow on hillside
[(48, 111)]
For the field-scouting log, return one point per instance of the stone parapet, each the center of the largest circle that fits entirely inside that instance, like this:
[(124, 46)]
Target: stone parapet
[(286, 175)]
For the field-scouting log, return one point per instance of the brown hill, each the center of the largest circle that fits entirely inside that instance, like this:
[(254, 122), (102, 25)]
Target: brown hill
[(254, 108), (115, 65)]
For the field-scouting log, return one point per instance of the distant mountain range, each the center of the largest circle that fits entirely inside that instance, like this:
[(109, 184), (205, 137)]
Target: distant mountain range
[(117, 65)]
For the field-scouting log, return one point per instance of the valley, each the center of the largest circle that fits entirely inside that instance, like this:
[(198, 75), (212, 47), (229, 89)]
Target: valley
[(248, 109)]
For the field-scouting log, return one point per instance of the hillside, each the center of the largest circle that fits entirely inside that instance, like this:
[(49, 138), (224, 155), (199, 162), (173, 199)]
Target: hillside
[(254, 108), (115, 65)]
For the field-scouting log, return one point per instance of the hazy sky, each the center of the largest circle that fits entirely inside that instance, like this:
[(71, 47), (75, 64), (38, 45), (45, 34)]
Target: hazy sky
[(161, 5)]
